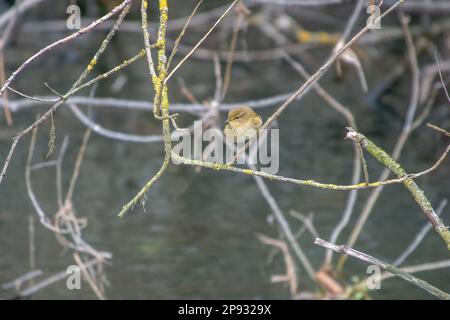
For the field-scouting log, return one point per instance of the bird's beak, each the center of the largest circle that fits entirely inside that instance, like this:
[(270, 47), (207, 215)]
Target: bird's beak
[(227, 121)]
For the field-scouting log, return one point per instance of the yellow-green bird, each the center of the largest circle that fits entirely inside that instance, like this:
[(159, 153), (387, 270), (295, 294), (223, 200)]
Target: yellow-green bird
[(243, 123)]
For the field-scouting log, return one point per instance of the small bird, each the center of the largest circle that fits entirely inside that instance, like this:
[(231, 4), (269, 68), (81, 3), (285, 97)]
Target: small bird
[(243, 123)]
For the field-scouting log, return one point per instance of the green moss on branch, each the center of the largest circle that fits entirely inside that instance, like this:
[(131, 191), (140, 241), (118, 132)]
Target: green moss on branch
[(417, 193)]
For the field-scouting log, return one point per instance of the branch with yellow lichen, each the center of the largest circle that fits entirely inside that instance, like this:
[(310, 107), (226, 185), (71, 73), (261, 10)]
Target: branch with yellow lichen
[(408, 182), (161, 99), (375, 151), (309, 182), (161, 112)]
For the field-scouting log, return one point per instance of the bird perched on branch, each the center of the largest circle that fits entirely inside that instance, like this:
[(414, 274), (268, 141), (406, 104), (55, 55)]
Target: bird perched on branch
[(243, 123)]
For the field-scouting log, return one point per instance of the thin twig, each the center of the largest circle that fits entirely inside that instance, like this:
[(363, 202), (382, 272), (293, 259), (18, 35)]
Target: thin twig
[(125, 9), (315, 77), (385, 266), (201, 41), (183, 31), (408, 127), (87, 276), (290, 276), (52, 279), (73, 36), (363, 163), (231, 51), (445, 132)]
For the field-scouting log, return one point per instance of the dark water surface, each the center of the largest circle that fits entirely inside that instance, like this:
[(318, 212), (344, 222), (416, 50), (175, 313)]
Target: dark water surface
[(196, 238)]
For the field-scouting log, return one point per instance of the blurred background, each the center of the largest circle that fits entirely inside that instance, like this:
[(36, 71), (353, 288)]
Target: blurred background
[(196, 238)]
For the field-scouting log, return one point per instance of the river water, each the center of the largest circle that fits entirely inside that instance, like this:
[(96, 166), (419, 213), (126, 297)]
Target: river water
[(196, 239)]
